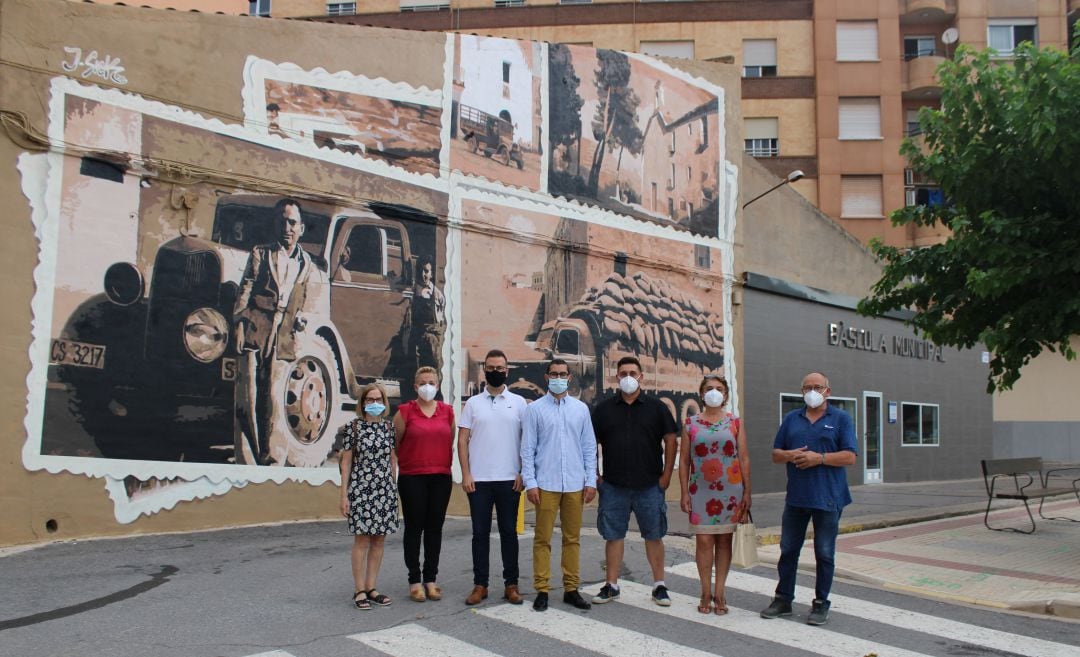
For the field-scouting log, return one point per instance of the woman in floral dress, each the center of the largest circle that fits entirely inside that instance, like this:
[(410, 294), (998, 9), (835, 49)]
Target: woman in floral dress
[(714, 470), (368, 491)]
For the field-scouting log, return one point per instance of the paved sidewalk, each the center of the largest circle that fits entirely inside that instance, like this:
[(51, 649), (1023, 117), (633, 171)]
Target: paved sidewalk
[(961, 560), (928, 538)]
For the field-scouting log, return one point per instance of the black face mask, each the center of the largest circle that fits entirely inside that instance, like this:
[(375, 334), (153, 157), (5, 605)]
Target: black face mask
[(495, 379)]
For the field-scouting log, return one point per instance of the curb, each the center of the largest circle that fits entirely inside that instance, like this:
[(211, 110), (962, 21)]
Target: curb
[(771, 535)]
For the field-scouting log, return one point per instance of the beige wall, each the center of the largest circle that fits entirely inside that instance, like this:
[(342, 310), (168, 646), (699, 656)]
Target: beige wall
[(209, 6), (1047, 391), (784, 236), (796, 122)]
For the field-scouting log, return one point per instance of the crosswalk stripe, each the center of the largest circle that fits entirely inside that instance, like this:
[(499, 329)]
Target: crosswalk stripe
[(412, 640), (902, 618), (593, 635), (748, 623), (272, 653)]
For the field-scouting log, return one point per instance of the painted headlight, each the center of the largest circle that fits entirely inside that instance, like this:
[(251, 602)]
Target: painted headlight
[(206, 334)]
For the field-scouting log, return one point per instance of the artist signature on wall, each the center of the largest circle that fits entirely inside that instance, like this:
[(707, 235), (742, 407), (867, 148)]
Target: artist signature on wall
[(107, 67)]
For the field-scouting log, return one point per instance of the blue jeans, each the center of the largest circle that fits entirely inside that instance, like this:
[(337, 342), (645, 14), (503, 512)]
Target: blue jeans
[(502, 496), (616, 503), (792, 536)]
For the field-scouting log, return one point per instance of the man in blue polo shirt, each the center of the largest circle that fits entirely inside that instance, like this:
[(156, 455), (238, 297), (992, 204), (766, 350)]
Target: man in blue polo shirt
[(817, 443)]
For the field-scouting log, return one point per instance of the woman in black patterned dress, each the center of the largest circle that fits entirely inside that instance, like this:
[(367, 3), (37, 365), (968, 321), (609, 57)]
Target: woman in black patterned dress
[(369, 491)]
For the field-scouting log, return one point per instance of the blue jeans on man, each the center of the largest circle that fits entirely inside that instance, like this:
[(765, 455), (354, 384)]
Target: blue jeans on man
[(792, 536), (501, 496)]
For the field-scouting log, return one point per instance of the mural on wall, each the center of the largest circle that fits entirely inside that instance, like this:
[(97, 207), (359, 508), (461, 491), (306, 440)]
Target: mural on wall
[(633, 138), (589, 294), (394, 123), (210, 326), (211, 295), (496, 128)]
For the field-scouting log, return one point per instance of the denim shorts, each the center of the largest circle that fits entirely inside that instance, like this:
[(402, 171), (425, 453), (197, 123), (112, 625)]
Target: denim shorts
[(616, 503)]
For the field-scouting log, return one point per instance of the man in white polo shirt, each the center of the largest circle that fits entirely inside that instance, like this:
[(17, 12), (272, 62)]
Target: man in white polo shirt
[(489, 440)]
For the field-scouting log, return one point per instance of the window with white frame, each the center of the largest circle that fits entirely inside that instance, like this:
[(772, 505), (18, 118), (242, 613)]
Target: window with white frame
[(860, 118), (423, 5), (509, 3), (259, 7), (702, 254), (761, 137), (1003, 35), (920, 424), (759, 58), (575, 2), (919, 46), (856, 41), (912, 128), (791, 402), (684, 49), (340, 8), (860, 197)]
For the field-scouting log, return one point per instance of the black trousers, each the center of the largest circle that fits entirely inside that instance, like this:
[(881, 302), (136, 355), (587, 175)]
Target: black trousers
[(423, 504), (500, 496)]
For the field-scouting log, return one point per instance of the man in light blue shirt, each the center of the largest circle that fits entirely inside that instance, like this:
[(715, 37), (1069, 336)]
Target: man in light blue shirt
[(558, 467)]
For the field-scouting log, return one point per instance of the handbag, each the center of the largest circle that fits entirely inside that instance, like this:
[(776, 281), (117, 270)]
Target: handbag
[(744, 545)]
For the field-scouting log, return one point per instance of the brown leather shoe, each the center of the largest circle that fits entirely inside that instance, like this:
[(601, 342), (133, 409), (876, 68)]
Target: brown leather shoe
[(478, 593), (511, 595)]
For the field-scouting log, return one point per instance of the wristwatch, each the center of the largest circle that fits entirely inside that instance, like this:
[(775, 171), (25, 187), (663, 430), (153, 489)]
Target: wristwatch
[(823, 458)]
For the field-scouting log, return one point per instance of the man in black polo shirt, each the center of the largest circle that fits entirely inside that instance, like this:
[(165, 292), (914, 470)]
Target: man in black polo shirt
[(636, 437)]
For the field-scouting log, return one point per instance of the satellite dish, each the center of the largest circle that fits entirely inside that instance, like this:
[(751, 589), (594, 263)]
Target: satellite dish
[(950, 36)]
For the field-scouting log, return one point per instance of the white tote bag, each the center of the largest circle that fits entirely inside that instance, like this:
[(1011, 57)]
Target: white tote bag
[(744, 545)]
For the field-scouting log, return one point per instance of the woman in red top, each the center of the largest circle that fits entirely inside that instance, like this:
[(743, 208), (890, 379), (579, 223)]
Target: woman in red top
[(425, 437)]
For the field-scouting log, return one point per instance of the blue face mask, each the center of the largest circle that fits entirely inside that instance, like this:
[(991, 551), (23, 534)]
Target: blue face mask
[(558, 386), (375, 409)]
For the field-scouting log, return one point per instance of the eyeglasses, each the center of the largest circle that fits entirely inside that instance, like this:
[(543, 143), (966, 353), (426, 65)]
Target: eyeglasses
[(558, 375), (815, 388), (496, 368), (373, 400)]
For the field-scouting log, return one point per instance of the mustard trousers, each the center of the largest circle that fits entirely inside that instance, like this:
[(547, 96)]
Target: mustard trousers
[(568, 507)]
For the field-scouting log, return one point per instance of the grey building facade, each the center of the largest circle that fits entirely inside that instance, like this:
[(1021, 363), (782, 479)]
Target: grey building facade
[(921, 413)]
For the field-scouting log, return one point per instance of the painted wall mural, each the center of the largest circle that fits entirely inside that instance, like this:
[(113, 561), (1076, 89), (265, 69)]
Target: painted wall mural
[(634, 139), (212, 294)]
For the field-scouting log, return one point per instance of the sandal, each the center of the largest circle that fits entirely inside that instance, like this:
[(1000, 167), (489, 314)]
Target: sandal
[(705, 606), (361, 603), (433, 591), (720, 606), (416, 593), (380, 599)]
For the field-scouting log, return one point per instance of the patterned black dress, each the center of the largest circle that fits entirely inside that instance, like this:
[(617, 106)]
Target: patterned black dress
[(373, 508)]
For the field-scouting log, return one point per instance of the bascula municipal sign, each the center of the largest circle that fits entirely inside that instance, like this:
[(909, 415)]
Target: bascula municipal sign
[(853, 337)]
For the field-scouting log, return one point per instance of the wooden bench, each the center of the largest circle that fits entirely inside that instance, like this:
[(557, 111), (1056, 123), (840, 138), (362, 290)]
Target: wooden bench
[(1024, 479)]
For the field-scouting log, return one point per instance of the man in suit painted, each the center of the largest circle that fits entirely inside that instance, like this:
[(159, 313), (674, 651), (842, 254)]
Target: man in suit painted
[(268, 314)]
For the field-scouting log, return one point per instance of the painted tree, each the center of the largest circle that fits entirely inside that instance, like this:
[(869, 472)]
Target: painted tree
[(1005, 149), (564, 115), (614, 122)]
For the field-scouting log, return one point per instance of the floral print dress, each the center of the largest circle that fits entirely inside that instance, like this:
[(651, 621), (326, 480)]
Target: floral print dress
[(373, 508), (716, 486)]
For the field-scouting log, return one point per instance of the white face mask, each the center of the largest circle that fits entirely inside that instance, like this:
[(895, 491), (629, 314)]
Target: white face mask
[(628, 385), (714, 398), (813, 399), (427, 391)]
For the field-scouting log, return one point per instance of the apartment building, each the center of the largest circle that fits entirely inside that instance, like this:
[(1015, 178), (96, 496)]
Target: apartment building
[(830, 87)]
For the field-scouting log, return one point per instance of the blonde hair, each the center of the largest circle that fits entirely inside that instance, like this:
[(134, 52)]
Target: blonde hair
[(363, 393), (426, 369)]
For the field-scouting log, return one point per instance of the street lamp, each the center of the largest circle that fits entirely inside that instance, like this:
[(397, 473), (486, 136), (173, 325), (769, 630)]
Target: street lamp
[(797, 174)]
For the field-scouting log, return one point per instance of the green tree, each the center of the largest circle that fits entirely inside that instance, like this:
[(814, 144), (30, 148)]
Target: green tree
[(1005, 149)]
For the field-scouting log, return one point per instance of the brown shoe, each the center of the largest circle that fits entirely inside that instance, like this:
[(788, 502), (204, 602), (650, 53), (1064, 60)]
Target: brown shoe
[(416, 593), (433, 591), (511, 595), (478, 593)]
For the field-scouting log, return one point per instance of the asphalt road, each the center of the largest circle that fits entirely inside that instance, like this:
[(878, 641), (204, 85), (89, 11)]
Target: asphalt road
[(285, 591)]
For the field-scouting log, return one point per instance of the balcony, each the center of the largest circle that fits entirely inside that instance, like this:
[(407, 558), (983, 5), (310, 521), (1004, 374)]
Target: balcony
[(920, 79), (917, 12)]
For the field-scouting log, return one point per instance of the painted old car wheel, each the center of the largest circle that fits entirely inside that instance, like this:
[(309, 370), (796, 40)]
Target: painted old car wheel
[(307, 399)]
